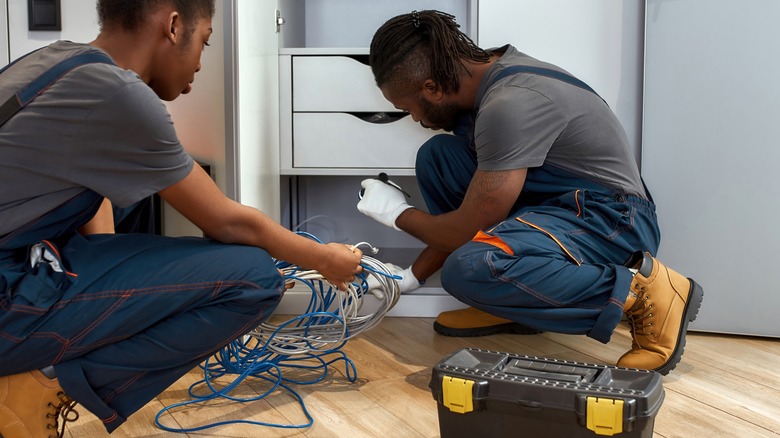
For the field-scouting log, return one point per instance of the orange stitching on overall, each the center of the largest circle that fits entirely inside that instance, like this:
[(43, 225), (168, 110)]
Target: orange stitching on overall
[(483, 237), (551, 237)]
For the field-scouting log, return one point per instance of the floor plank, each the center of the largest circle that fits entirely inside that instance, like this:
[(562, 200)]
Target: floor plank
[(726, 386)]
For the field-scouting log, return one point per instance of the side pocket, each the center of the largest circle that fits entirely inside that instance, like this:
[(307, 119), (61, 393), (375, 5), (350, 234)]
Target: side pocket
[(46, 279), (554, 232)]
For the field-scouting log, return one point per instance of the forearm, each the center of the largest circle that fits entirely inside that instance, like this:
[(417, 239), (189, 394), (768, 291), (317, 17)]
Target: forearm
[(444, 233), (335, 261), (428, 262), (488, 201), (222, 219), (253, 227)]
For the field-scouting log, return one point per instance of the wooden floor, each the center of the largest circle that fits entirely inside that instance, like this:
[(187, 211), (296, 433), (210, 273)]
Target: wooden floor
[(725, 386)]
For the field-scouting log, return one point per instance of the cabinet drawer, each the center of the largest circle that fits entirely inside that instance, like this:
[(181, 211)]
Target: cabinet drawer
[(339, 140), (335, 83)]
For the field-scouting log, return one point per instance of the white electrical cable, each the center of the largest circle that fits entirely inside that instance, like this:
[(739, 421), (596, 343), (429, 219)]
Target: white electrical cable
[(334, 316)]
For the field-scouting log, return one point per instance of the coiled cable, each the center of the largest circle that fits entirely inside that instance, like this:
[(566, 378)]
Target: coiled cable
[(307, 342)]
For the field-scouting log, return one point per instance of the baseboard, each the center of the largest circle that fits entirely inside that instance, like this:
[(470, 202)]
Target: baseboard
[(422, 303)]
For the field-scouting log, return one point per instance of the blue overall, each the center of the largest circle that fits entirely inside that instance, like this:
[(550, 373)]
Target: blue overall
[(122, 317), (556, 263)]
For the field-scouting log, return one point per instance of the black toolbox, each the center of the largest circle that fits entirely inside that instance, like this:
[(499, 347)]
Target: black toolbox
[(482, 393)]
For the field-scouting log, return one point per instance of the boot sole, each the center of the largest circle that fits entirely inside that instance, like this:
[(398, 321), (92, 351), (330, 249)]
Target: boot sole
[(692, 307), (512, 327)]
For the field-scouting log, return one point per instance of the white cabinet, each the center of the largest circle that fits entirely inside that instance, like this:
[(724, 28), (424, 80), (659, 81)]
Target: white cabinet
[(336, 129), (335, 120), (327, 93), (334, 83), (320, 142), (326, 145), (320, 24)]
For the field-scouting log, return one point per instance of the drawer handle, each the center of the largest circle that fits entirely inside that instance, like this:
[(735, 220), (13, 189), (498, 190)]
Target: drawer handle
[(379, 118)]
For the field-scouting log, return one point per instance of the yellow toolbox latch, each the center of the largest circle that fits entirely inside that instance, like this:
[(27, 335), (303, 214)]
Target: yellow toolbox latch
[(457, 394), (605, 415)]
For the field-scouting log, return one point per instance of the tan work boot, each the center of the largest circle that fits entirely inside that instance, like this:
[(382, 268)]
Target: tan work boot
[(31, 405), (474, 322), (659, 307)]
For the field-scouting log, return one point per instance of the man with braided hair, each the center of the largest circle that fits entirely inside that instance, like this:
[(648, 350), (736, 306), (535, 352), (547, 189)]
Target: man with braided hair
[(537, 215), (111, 320)]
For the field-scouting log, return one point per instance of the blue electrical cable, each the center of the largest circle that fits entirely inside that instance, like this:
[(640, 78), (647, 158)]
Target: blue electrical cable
[(260, 356), (238, 358)]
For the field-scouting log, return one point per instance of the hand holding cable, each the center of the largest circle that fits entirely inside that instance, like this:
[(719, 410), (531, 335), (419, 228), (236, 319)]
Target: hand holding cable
[(341, 264), (382, 200)]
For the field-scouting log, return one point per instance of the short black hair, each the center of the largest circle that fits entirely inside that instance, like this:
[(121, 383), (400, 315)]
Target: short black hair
[(130, 14)]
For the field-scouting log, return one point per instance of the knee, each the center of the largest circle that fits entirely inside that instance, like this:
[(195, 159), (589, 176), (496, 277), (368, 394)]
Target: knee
[(465, 272), (253, 270), (430, 155), (430, 150)]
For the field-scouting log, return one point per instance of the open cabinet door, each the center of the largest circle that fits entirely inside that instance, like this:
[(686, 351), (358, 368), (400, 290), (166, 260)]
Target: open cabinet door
[(255, 85), (4, 32)]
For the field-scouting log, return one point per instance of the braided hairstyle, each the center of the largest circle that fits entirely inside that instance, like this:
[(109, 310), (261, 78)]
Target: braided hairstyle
[(131, 14), (414, 47)]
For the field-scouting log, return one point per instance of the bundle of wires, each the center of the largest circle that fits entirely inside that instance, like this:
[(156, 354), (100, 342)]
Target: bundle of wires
[(305, 345)]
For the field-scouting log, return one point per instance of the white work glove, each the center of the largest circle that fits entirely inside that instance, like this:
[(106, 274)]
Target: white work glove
[(382, 202), (407, 283)]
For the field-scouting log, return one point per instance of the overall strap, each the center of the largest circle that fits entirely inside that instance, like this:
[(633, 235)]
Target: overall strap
[(541, 71), (26, 95), (561, 77)]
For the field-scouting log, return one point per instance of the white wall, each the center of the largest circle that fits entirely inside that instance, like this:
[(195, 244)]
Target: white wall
[(711, 153), (599, 41), (79, 23)]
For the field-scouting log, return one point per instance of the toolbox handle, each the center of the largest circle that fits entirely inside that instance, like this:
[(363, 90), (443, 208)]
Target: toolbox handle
[(556, 372), (531, 405)]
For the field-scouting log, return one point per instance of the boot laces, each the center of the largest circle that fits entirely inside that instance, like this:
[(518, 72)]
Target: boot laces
[(640, 316), (65, 409)]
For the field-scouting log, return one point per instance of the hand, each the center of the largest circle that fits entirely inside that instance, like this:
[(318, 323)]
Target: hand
[(382, 202), (407, 283), (287, 284), (341, 264)]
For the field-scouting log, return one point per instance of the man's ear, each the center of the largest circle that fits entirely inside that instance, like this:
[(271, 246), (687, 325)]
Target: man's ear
[(432, 91), (173, 28)]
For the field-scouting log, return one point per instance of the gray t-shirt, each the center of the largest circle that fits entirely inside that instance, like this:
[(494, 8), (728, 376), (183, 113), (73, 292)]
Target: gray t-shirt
[(98, 127), (527, 120)]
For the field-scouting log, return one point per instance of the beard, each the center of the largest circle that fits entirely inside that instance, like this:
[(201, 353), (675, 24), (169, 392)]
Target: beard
[(444, 116)]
